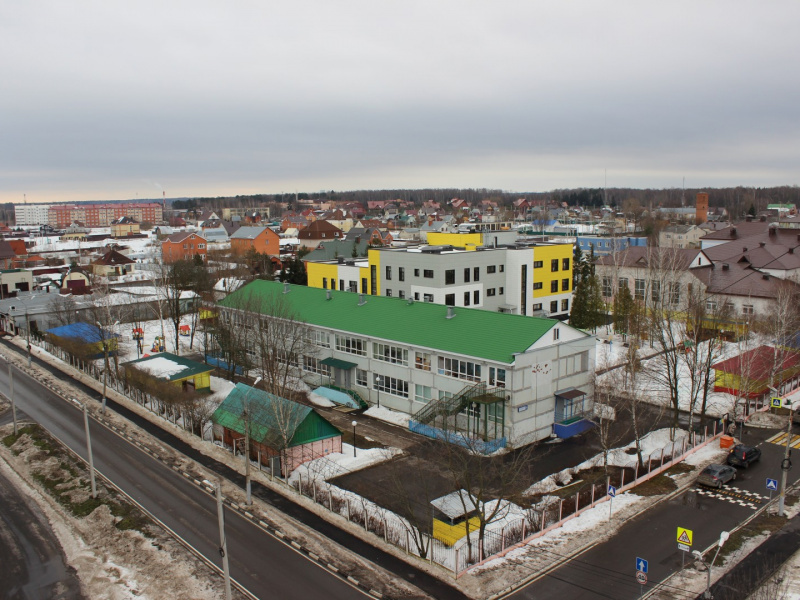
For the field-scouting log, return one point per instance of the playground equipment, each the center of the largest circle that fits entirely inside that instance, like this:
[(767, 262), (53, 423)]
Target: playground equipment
[(138, 333), (158, 345), (185, 330)]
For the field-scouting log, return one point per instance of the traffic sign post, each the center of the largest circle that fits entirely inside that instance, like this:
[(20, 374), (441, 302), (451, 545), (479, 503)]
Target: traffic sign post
[(685, 537), (641, 565), (772, 486), (776, 402), (641, 577), (612, 493)]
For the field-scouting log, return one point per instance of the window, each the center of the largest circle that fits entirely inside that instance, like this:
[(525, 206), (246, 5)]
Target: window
[(422, 393), (747, 309), (200, 246), (554, 265), (556, 333), (564, 305), (565, 285), (401, 273), (606, 287), (460, 369), (675, 293), (401, 294), (321, 339), (711, 305), (638, 289), (416, 272), (554, 286), (466, 298), (324, 283), (476, 297), (497, 377), (554, 307), (729, 305), (537, 264), (428, 273), (427, 297), (565, 264), (490, 292), (390, 354), (390, 385), (388, 273), (655, 291), (500, 291), (476, 274), (537, 285), (416, 295), (363, 285), (502, 268), (312, 365), (388, 293), (537, 306), (449, 276), (361, 378), (623, 282), (491, 269), (351, 345), (373, 272), (573, 364), (341, 285), (450, 300), (466, 275), (422, 361), (353, 286)]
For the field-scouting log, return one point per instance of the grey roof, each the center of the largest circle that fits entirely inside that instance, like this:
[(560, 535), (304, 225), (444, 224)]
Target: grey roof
[(778, 250), (641, 256), (739, 279), (333, 249), (452, 505), (247, 233)]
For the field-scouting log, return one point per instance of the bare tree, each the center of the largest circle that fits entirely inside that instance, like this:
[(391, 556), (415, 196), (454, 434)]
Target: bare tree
[(64, 309)]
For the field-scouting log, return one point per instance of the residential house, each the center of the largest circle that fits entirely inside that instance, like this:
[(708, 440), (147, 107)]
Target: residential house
[(680, 236), (124, 227), (260, 239), (184, 245), (316, 232), (7, 255), (511, 378), (75, 281), (280, 430), (372, 235), (113, 263)]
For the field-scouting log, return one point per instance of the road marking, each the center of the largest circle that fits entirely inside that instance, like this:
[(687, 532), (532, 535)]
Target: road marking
[(780, 440), (738, 499)]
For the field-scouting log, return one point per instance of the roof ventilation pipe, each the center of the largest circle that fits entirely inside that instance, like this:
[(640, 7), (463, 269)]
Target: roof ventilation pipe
[(286, 287), (362, 299), (328, 295), (451, 313), (410, 301)]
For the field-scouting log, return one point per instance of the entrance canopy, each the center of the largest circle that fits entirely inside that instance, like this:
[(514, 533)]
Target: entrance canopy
[(337, 363)]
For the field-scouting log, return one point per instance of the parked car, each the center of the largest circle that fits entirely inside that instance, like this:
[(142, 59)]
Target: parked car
[(742, 456), (716, 475)]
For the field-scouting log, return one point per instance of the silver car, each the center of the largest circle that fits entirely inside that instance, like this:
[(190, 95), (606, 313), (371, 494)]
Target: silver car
[(716, 475)]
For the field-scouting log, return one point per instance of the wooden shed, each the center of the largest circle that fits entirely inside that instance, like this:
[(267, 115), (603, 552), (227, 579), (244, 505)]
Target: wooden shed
[(189, 374)]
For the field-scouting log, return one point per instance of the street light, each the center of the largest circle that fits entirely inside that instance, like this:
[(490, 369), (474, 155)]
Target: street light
[(723, 537), (786, 463), (27, 325), (354, 438), (89, 447), (246, 415), (378, 389)]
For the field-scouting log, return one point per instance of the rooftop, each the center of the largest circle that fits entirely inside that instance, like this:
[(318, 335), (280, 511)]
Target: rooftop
[(471, 332)]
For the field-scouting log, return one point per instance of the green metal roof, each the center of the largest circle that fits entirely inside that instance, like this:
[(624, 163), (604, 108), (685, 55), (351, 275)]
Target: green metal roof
[(338, 363), (270, 416), (192, 367), (473, 332)]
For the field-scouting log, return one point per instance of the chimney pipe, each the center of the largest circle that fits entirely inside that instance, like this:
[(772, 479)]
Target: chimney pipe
[(328, 295), (362, 299), (286, 287), (451, 313)]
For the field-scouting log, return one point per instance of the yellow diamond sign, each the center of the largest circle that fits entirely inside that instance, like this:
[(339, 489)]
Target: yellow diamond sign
[(684, 536)]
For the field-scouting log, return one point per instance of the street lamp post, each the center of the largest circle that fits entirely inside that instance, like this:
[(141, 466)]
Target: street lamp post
[(89, 449), (11, 395), (246, 415), (378, 389), (786, 464), (354, 438), (723, 537)]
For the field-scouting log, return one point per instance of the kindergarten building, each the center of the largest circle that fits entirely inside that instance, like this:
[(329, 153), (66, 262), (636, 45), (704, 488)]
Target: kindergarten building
[(503, 378)]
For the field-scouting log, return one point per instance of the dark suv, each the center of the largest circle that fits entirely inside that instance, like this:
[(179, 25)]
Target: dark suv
[(743, 456)]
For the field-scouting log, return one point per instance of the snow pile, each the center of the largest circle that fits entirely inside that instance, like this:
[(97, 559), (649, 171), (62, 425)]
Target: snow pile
[(389, 416), (336, 464), (320, 400)]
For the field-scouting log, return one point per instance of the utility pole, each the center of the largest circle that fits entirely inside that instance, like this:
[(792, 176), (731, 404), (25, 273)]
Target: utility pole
[(246, 415), (11, 393), (223, 543), (89, 449), (786, 464)]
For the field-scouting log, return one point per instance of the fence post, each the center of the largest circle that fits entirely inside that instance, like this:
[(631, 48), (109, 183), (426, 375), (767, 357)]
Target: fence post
[(524, 522), (385, 531), (544, 510), (622, 479), (365, 519), (560, 509), (593, 493), (348, 509), (314, 490), (503, 538), (407, 546), (662, 457), (330, 500), (577, 501), (455, 564), (636, 473), (705, 433)]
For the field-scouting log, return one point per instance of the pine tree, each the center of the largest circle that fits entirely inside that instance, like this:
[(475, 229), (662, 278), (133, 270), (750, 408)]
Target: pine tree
[(623, 308)]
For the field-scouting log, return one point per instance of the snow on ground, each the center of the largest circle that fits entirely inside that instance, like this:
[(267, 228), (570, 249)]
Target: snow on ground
[(389, 416), (334, 465), (320, 400), (153, 328)]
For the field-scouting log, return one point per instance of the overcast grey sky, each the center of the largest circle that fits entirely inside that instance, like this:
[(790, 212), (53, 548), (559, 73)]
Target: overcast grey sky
[(110, 99)]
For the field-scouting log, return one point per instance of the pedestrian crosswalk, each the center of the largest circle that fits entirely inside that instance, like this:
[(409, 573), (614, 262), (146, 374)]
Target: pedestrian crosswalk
[(780, 440)]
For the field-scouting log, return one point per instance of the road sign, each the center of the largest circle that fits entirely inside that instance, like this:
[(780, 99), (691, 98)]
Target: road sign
[(772, 484), (612, 491), (641, 565), (684, 536), (776, 402), (684, 547), (641, 577)]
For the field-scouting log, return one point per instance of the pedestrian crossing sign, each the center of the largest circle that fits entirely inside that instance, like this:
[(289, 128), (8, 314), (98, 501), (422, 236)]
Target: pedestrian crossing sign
[(777, 402), (684, 536)]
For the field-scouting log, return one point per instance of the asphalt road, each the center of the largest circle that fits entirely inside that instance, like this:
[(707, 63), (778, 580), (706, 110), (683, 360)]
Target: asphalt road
[(264, 565), (608, 569), (33, 564)]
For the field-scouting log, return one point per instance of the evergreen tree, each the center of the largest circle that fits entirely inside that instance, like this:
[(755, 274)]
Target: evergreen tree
[(623, 308), (595, 307), (752, 210)]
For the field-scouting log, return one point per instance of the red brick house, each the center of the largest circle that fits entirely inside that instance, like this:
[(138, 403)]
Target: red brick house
[(184, 245)]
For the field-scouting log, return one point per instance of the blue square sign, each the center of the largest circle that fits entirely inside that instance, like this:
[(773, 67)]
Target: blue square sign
[(641, 565), (772, 484)]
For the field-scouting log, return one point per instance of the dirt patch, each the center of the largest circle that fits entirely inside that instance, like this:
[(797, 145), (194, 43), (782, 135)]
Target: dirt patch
[(764, 523)]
